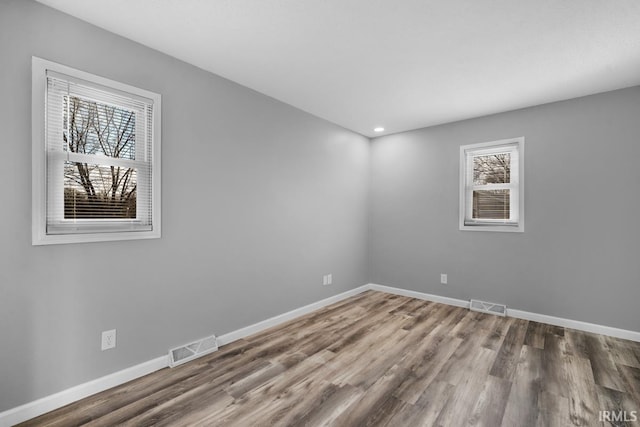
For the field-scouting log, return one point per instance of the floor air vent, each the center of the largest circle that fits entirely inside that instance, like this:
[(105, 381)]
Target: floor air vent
[(488, 307), (185, 353)]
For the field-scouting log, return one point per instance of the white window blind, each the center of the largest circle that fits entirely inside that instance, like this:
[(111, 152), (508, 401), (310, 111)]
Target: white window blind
[(491, 186), (100, 160)]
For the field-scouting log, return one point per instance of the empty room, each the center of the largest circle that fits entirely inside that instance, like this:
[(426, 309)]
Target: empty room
[(320, 213)]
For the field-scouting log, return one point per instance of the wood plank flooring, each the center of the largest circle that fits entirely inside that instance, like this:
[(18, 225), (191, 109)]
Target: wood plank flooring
[(384, 360)]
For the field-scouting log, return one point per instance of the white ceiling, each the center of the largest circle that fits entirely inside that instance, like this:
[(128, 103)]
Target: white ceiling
[(401, 64)]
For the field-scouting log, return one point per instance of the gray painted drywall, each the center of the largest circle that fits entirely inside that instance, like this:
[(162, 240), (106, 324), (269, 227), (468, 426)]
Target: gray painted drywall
[(579, 257), (259, 201)]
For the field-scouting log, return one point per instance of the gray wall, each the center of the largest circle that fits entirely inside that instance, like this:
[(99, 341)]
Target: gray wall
[(259, 201), (579, 257)]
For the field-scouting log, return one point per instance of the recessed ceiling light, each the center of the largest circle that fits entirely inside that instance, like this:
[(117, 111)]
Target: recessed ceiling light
[(378, 129)]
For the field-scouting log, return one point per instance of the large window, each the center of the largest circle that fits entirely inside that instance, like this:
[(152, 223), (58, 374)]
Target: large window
[(96, 158), (491, 186)]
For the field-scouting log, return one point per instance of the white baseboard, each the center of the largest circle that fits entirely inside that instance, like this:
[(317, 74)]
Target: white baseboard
[(73, 394), (520, 314), (419, 295), (576, 324), (58, 400), (70, 395), (281, 318)]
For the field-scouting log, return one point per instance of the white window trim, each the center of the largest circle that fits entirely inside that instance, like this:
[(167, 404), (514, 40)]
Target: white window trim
[(39, 158), (517, 189)]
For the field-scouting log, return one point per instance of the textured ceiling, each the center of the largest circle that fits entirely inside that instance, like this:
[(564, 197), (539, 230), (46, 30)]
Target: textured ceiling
[(401, 64)]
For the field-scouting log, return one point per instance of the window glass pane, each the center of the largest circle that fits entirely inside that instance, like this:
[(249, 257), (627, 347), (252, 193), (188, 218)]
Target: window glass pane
[(94, 128), (492, 169), (491, 204), (99, 192)]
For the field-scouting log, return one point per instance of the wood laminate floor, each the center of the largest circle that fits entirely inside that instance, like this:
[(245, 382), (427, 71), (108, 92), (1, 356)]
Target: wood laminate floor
[(384, 360)]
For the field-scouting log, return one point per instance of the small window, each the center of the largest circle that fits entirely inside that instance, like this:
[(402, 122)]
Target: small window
[(491, 186), (96, 158)]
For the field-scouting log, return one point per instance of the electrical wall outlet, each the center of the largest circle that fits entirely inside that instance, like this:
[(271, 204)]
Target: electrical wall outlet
[(108, 339), (327, 279), (443, 279)]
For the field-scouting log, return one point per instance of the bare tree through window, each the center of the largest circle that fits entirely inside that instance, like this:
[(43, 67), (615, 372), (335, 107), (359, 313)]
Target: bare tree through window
[(491, 169), (91, 190)]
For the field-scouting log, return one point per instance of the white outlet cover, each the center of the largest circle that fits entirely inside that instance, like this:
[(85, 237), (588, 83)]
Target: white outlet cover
[(327, 279), (443, 279), (108, 339)]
